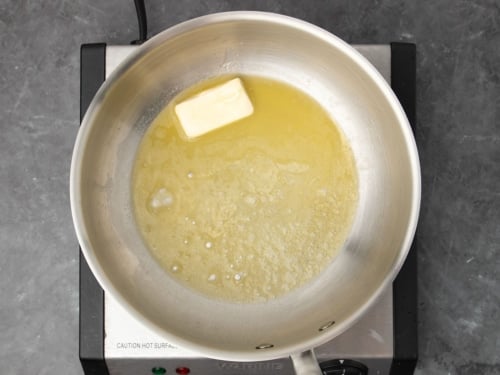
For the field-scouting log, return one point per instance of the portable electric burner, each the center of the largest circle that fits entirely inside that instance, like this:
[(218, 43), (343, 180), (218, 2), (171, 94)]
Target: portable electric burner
[(383, 342)]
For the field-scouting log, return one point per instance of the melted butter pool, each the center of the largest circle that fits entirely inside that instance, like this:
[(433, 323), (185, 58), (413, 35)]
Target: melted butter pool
[(252, 210)]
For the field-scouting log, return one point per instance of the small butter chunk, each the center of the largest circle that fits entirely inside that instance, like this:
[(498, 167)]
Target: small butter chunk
[(214, 108)]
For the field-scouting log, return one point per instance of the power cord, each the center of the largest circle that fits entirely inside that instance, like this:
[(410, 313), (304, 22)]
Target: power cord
[(143, 22)]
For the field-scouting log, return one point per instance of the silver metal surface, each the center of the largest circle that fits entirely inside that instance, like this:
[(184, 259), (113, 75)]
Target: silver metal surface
[(305, 363), (129, 345), (132, 348), (115, 56), (316, 62)]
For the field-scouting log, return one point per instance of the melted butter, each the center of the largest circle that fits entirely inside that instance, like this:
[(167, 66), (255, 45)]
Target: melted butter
[(253, 210)]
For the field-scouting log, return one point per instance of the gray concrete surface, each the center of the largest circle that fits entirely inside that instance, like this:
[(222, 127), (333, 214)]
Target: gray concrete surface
[(458, 137)]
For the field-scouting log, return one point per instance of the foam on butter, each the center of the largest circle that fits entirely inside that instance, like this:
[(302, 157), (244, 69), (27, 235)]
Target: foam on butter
[(214, 108)]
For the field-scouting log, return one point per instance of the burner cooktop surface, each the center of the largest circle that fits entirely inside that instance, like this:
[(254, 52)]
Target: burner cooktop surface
[(384, 341)]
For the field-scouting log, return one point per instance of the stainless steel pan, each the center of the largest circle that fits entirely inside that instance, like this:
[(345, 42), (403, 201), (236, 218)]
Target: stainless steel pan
[(358, 99)]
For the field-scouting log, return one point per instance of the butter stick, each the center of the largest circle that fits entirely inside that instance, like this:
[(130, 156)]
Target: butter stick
[(214, 108)]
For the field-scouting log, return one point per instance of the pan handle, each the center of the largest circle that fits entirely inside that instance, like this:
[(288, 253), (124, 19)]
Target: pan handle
[(305, 363)]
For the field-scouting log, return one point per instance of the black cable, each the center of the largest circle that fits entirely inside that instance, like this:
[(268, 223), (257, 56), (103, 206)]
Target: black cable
[(143, 22)]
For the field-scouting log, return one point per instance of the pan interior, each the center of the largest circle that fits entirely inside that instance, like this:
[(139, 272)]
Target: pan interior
[(283, 49)]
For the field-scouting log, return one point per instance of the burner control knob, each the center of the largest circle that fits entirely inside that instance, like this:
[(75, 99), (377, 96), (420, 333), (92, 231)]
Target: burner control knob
[(343, 367)]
